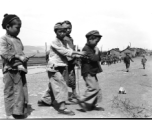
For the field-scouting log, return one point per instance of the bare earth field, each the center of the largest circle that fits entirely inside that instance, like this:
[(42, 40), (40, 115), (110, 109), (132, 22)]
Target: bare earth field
[(135, 104)]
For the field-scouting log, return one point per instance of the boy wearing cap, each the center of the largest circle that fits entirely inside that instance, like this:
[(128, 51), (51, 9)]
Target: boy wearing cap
[(89, 69), (56, 66)]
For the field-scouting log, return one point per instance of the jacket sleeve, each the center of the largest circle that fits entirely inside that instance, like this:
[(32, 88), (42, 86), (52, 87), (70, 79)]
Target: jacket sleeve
[(61, 49), (7, 51), (92, 56)]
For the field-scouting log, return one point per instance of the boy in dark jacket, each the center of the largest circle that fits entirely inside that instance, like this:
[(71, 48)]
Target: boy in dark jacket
[(90, 67)]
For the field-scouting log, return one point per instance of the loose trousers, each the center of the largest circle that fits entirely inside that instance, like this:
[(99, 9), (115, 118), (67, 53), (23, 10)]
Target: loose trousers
[(57, 89), (93, 93), (15, 93)]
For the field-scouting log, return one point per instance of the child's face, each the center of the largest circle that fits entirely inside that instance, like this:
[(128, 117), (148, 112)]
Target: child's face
[(61, 33), (14, 29), (69, 29), (93, 40)]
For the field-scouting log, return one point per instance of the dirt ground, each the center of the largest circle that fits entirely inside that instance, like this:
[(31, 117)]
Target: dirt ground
[(136, 103)]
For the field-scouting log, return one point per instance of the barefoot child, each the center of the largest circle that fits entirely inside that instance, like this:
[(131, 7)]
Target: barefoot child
[(14, 67)]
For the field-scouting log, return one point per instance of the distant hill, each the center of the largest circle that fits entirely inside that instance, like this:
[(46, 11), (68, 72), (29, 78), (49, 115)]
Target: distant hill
[(30, 50), (34, 49)]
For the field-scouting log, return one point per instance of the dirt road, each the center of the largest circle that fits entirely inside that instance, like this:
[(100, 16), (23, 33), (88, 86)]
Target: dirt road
[(136, 103)]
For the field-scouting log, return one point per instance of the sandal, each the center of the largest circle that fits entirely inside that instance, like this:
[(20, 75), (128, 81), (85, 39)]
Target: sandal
[(66, 112)]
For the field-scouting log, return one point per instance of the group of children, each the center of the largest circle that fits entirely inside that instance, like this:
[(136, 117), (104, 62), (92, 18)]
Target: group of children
[(62, 58)]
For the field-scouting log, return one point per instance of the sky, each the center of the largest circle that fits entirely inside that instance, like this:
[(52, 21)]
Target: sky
[(120, 22)]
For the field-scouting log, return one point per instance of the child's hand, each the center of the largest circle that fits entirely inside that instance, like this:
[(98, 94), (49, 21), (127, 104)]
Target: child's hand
[(96, 50), (82, 53), (23, 58), (77, 56)]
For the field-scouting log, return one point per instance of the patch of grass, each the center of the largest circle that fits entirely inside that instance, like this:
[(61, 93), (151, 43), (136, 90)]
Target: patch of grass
[(129, 110)]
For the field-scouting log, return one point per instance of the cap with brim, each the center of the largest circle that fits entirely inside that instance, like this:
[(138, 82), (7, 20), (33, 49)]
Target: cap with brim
[(94, 33)]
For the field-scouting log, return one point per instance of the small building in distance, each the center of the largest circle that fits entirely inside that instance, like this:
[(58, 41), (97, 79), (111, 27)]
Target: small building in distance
[(131, 51)]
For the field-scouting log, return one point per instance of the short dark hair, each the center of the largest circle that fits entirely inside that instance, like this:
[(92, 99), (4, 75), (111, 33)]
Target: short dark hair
[(68, 22), (8, 18), (12, 22)]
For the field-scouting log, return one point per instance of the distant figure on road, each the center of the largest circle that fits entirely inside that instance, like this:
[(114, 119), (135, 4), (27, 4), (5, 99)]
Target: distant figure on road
[(143, 61), (127, 60), (14, 68), (89, 69)]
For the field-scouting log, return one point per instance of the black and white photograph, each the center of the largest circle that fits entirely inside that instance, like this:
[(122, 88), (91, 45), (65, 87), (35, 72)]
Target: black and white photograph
[(75, 59)]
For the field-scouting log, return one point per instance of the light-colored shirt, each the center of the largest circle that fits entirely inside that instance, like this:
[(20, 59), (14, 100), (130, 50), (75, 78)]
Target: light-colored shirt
[(59, 51), (9, 47)]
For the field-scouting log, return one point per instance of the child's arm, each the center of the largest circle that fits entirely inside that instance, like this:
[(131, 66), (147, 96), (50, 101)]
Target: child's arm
[(65, 51), (6, 50), (92, 56), (97, 52)]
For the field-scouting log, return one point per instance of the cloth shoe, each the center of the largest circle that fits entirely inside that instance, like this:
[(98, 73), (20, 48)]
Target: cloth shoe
[(66, 112), (42, 103), (97, 108)]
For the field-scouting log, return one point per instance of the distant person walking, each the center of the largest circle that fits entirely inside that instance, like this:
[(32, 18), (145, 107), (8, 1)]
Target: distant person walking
[(14, 68), (90, 68), (143, 61), (127, 60)]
